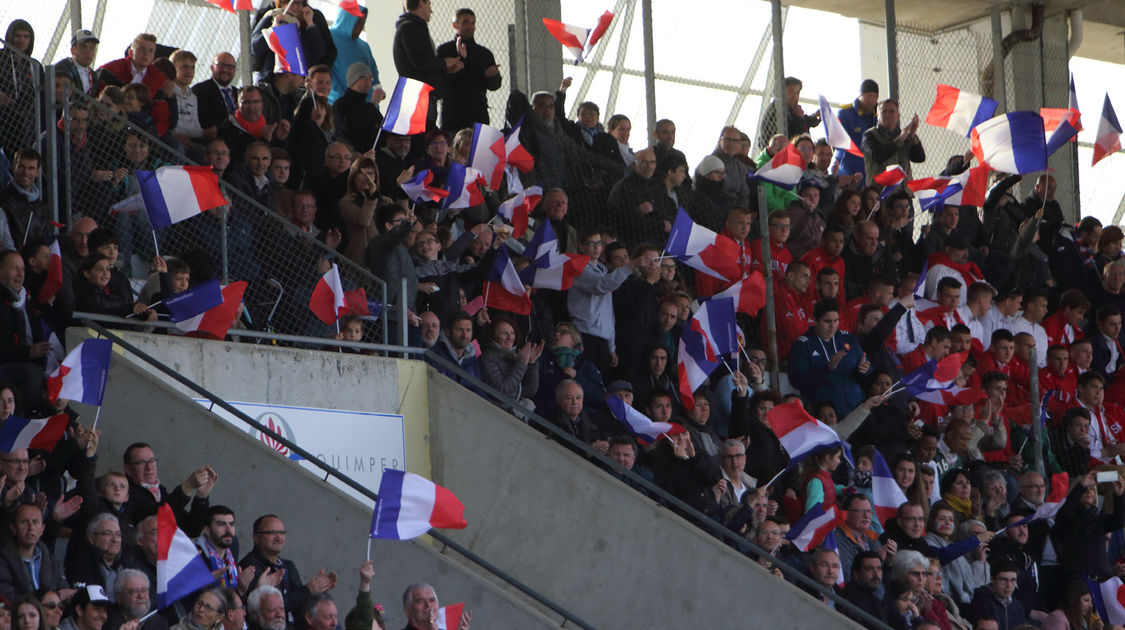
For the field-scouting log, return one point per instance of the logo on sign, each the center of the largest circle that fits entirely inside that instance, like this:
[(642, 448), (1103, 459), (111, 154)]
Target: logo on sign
[(274, 422)]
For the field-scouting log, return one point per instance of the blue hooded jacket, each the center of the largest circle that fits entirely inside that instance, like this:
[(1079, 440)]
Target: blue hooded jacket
[(348, 51)]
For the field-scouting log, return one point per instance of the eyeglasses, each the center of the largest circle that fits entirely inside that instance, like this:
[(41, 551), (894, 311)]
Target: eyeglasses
[(52, 605), (133, 592), (592, 243), (427, 241), (860, 511), (108, 533), (734, 455), (21, 462), (227, 66), (142, 462), (199, 603)]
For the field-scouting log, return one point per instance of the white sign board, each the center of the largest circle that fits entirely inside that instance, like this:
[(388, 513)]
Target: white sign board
[(356, 443)]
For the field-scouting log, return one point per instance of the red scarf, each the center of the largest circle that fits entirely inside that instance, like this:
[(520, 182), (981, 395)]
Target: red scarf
[(970, 273), (81, 144), (253, 128)]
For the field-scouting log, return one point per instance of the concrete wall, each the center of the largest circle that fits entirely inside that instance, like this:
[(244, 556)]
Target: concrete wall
[(537, 511), (327, 529), (590, 542)]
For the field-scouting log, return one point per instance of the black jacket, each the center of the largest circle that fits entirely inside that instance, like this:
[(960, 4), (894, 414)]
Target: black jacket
[(15, 581), (357, 120), (466, 92), (212, 106), (415, 56), (293, 590)]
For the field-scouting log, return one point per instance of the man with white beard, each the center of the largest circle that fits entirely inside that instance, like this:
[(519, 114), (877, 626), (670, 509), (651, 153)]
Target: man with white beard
[(131, 593)]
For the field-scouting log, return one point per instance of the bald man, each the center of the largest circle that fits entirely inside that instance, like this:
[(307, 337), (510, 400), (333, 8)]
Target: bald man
[(217, 97), (632, 204)]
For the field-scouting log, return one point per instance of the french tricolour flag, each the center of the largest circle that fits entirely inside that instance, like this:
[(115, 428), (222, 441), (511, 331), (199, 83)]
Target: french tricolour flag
[(700, 248), (464, 186), (503, 288), (328, 301), (749, 294), (884, 490), (813, 527), (800, 434), (83, 373), (1109, 599), (174, 193), (40, 434), (410, 505), (180, 571), (488, 154), (636, 422), (573, 38), (449, 617), (834, 131), (418, 188), (408, 107), (285, 42), (1062, 125), (217, 320), (959, 111), (576, 39), (515, 153), (1051, 505), (195, 300), (241, 5), (54, 280), (710, 334), (550, 269), (518, 208), (934, 375), (1108, 140), (784, 169), (892, 176), (1011, 143)]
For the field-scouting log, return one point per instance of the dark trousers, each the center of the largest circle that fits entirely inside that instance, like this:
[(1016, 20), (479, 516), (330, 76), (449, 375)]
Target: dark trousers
[(596, 350)]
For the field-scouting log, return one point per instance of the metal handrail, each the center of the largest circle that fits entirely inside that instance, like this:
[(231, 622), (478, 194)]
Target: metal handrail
[(707, 523), (259, 335), (330, 471), (243, 199)]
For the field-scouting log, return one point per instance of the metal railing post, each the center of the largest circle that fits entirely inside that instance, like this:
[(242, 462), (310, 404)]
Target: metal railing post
[(513, 60), (999, 82), (50, 141), (780, 111), (650, 67), (402, 312), (892, 49), (67, 200), (75, 15), (771, 315), (224, 248), (1036, 412), (244, 27)]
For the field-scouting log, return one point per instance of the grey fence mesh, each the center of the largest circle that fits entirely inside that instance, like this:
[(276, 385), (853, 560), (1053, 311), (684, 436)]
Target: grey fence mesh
[(241, 241), (22, 108)]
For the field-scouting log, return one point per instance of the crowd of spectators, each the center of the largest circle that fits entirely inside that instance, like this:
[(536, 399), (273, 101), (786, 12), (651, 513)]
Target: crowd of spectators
[(1014, 285)]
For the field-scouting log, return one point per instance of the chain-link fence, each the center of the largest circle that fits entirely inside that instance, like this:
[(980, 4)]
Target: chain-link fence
[(242, 241), (1036, 76), (22, 107)]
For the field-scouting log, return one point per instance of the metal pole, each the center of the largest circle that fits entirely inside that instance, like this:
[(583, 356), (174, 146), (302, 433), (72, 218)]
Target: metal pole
[(771, 316), (383, 314), (513, 58), (999, 80), (75, 15), (51, 142), (1036, 428), (223, 242), (781, 114), (892, 49), (650, 72), (402, 312), (67, 199), (244, 28)]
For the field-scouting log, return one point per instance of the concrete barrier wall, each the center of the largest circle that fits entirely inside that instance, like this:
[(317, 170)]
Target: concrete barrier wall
[(534, 509), (589, 541), (327, 529)]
